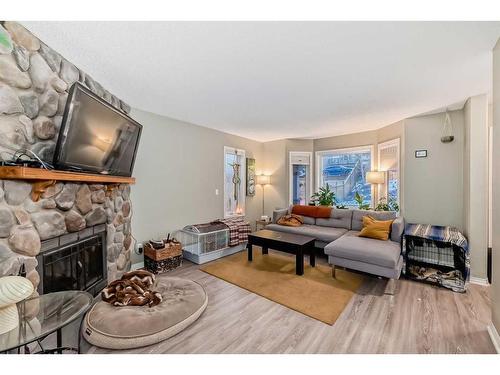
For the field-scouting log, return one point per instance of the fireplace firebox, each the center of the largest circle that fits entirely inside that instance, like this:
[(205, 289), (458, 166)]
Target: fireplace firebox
[(74, 261)]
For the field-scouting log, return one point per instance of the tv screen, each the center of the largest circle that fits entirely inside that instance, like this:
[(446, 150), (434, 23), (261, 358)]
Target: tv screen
[(95, 136)]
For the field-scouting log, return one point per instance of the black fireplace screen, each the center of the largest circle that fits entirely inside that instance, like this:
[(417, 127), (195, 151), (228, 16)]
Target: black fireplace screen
[(77, 266)]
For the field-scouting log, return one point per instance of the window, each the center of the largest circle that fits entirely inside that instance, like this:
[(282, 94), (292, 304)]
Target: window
[(388, 160), (300, 177), (234, 182), (344, 171)]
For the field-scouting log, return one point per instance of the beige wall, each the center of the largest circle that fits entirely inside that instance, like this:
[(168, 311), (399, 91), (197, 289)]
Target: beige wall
[(275, 164), (475, 181), (433, 190), (495, 289), (276, 156), (178, 168)]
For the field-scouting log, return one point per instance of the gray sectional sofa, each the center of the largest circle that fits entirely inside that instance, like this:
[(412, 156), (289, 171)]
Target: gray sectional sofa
[(338, 236)]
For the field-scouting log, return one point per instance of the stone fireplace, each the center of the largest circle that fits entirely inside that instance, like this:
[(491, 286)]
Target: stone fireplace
[(66, 213), (34, 84), (74, 261)]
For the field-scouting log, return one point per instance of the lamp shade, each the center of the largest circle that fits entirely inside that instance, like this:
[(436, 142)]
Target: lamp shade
[(263, 180), (375, 177)]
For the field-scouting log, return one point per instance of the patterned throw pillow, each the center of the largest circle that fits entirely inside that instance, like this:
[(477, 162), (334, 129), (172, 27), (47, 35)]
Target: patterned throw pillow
[(291, 220)]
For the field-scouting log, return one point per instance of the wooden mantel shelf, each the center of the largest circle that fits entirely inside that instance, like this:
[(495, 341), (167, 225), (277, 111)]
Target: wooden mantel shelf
[(39, 174)]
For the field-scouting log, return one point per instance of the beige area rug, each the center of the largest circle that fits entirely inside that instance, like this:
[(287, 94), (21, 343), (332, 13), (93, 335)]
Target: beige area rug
[(315, 294)]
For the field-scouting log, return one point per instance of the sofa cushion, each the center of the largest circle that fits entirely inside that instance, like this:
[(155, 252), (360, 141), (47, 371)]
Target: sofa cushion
[(312, 211), (357, 217), (325, 234), (309, 220), (339, 218), (279, 212), (351, 246), (397, 229)]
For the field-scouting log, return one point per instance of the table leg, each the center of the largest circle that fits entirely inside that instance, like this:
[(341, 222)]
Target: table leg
[(59, 340), (264, 250), (312, 256), (250, 255), (299, 261)]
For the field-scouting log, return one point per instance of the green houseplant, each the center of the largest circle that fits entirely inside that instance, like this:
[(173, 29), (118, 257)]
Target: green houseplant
[(387, 205), (359, 200), (324, 197)]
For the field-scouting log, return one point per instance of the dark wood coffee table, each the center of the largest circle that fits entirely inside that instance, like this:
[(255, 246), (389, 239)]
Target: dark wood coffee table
[(287, 242)]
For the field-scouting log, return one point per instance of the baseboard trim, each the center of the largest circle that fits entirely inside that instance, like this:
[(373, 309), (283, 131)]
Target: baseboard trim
[(479, 281), (495, 337), (137, 266)]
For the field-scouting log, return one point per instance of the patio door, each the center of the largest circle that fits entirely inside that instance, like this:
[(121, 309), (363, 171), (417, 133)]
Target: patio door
[(300, 177)]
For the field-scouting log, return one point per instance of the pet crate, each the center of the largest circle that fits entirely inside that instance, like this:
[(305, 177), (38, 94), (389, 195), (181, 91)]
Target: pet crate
[(202, 243), (435, 262)]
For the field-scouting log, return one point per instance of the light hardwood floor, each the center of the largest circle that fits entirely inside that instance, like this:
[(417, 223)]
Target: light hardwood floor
[(418, 319)]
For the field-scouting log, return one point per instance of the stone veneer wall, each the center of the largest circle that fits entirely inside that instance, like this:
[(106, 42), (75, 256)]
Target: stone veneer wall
[(63, 208), (34, 85)]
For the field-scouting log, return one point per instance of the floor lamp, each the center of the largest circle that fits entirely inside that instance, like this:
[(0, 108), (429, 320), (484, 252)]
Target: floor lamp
[(263, 180), (376, 178)]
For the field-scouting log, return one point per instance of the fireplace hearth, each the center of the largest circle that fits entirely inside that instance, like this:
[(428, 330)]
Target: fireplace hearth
[(74, 261)]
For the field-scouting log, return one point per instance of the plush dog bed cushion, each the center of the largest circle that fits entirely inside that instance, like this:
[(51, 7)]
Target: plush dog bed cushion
[(128, 327)]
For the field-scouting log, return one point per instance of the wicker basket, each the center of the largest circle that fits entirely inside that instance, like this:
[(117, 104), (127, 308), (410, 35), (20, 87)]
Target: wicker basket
[(163, 260)]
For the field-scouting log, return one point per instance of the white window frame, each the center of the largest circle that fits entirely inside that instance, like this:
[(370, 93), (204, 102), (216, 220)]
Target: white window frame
[(243, 173), (345, 150), (309, 155), (381, 146)]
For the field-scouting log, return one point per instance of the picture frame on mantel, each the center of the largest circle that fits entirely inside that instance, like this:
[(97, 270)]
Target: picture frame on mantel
[(250, 187)]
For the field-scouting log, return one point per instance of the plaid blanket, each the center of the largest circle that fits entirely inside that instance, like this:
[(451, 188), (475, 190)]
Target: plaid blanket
[(448, 235), (238, 230), (438, 233)]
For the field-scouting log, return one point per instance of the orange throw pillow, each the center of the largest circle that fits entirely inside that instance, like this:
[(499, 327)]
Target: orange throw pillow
[(312, 211), (376, 229)]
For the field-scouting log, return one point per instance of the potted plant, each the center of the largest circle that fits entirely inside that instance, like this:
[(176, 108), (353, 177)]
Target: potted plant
[(324, 197), (359, 200), (387, 205)]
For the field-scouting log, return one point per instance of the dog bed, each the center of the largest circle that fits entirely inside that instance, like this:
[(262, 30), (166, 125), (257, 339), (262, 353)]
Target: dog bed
[(127, 327)]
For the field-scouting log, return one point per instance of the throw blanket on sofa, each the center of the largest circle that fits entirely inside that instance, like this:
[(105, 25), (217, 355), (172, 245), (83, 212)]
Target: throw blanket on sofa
[(132, 290), (291, 220), (238, 230)]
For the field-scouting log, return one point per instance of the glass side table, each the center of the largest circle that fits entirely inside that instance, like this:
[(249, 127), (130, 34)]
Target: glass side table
[(43, 315)]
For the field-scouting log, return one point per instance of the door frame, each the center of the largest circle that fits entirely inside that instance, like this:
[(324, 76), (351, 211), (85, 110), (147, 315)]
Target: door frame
[(310, 189)]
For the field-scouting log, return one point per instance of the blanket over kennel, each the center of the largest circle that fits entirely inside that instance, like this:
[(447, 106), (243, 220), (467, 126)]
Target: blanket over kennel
[(239, 230), (446, 235)]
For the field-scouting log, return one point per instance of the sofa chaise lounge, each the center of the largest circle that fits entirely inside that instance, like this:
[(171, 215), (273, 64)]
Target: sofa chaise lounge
[(338, 236)]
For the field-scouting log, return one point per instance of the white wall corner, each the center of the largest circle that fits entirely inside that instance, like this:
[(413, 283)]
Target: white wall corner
[(495, 337)]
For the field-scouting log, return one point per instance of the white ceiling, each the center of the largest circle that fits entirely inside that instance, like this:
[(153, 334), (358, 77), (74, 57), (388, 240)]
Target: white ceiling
[(273, 80)]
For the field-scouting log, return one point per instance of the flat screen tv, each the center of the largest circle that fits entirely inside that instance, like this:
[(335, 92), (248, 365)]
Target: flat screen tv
[(95, 136)]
